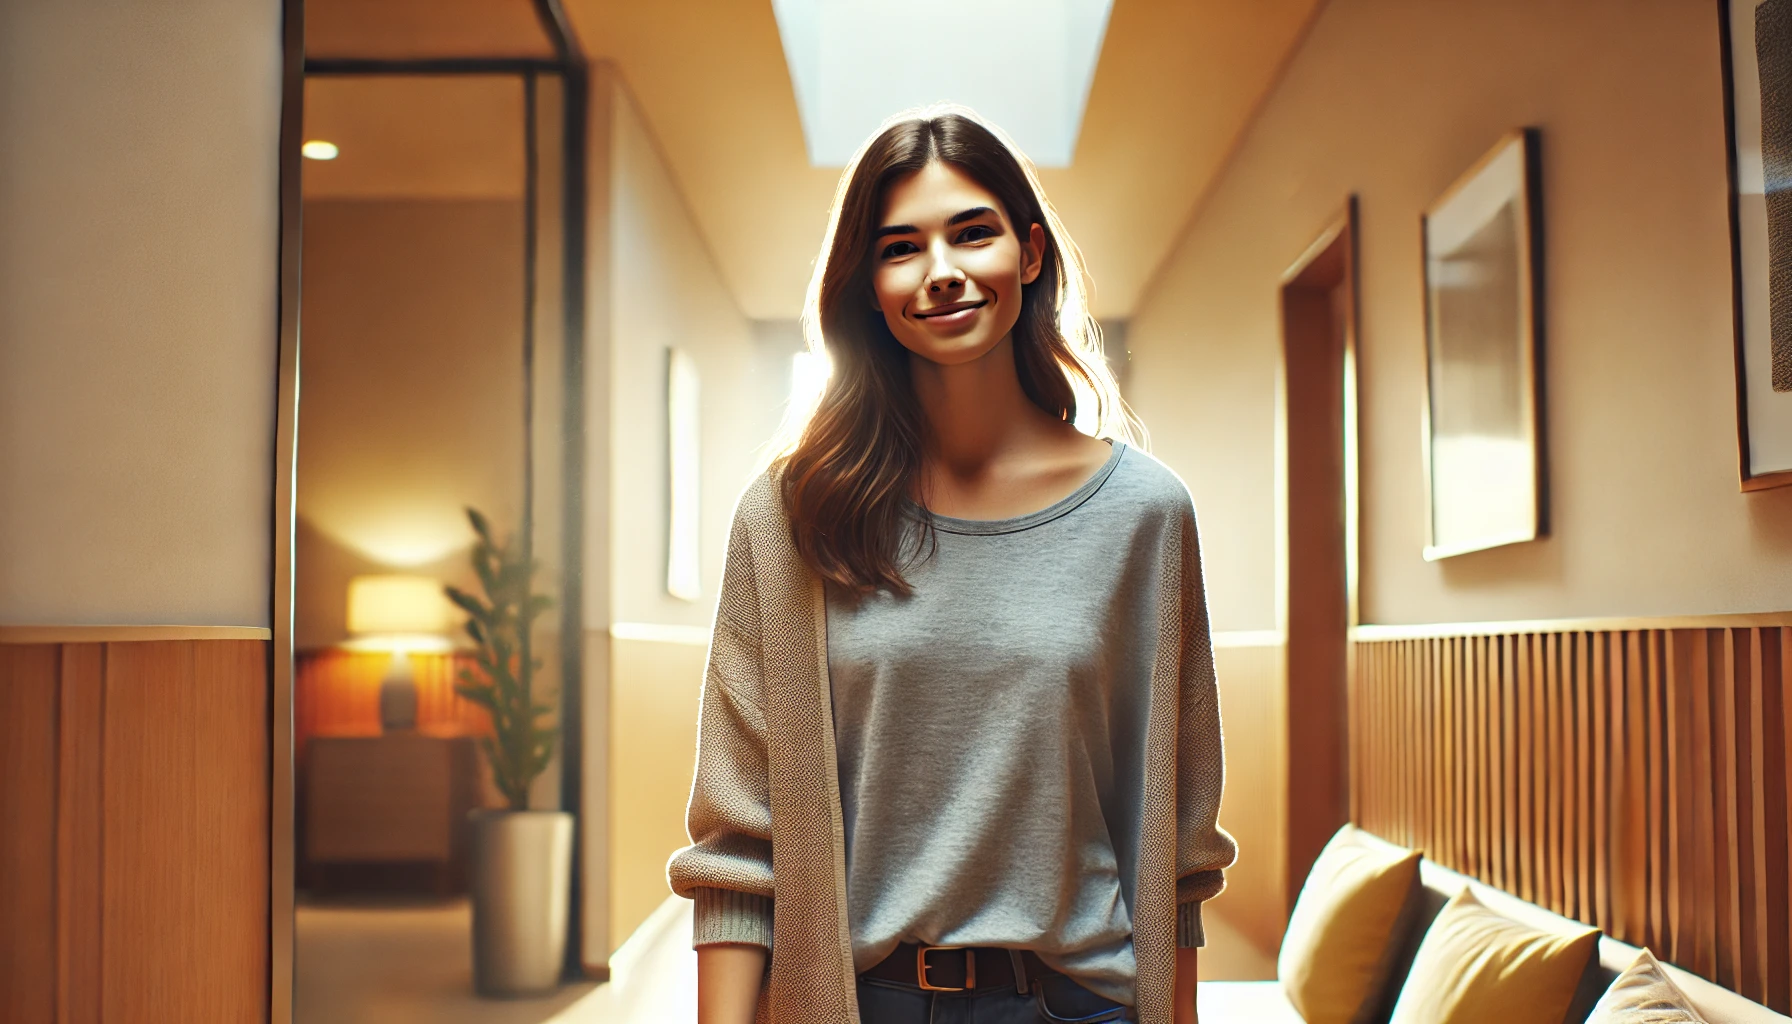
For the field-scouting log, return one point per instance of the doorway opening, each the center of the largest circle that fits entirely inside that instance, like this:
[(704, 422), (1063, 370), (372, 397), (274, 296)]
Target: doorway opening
[(1319, 534)]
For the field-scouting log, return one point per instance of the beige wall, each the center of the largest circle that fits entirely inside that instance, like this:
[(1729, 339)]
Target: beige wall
[(1392, 100), (412, 406), (139, 196), (654, 739), (667, 293), (653, 285)]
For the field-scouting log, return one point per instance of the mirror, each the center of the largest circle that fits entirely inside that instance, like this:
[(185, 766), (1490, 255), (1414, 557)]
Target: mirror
[(435, 311)]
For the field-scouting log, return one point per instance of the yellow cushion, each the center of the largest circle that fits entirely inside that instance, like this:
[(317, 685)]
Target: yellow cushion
[(1476, 966), (1334, 960), (1644, 994)]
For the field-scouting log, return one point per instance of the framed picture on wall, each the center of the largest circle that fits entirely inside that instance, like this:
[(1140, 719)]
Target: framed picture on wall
[(1757, 44), (1484, 467), (684, 431)]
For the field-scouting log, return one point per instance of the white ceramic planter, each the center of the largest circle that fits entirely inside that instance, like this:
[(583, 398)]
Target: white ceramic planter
[(522, 875)]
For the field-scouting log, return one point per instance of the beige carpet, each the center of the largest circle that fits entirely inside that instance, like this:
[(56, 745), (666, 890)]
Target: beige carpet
[(399, 963)]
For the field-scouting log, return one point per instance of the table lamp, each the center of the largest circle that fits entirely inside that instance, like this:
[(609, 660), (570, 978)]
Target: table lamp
[(400, 614)]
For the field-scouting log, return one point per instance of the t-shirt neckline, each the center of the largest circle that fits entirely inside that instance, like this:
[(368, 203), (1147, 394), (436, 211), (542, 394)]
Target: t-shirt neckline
[(1061, 507)]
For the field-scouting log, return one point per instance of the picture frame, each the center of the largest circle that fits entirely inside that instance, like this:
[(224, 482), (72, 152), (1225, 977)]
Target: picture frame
[(1757, 62), (1485, 471), (684, 474)]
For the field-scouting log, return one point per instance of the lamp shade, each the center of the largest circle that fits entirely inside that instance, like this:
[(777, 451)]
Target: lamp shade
[(396, 606)]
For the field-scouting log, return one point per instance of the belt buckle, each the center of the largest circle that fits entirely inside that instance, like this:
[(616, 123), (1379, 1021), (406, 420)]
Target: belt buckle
[(970, 969)]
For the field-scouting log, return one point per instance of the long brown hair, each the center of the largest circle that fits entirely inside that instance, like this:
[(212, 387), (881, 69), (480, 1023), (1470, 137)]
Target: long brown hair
[(854, 463)]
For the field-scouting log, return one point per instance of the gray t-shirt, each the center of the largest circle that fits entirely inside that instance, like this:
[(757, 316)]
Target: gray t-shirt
[(990, 729)]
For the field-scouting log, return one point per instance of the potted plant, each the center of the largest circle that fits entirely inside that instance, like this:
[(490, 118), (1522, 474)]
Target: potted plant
[(522, 858)]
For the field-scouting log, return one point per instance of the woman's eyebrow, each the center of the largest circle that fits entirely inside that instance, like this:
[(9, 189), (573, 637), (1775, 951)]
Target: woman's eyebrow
[(909, 229)]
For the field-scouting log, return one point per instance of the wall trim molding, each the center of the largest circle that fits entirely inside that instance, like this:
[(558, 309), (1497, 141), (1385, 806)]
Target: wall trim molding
[(127, 634), (660, 633), (1249, 638), (1619, 624)]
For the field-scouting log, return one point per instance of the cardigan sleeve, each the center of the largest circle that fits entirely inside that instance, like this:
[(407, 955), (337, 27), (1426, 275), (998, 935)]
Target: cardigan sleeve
[(727, 869), (1203, 849)]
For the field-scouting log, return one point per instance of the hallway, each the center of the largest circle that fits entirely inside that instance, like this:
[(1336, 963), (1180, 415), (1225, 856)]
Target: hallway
[(379, 379)]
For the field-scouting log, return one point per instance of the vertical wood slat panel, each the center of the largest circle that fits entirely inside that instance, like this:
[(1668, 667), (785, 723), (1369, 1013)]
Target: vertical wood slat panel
[(1370, 753), (230, 800), (1486, 737), (1682, 914), (1583, 768), (1707, 651), (28, 713), (1552, 807), (1745, 717), (1527, 768), (1660, 768), (1657, 765), (147, 831), (80, 837), (1775, 869), (1600, 683), (1632, 897), (1360, 736), (1723, 721), (1509, 761), (1570, 728), (1636, 779), (1496, 768)]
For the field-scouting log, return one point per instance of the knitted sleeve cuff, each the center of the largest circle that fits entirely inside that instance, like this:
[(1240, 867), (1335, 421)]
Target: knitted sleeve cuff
[(1189, 933), (724, 915)]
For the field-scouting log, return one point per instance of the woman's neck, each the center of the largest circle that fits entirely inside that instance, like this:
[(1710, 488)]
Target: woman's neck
[(976, 412)]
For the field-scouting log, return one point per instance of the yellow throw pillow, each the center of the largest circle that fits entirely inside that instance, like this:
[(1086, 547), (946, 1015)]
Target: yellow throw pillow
[(1644, 994), (1476, 967), (1334, 960)]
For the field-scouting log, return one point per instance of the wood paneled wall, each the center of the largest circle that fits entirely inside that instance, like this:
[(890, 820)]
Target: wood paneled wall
[(1633, 776), (134, 846)]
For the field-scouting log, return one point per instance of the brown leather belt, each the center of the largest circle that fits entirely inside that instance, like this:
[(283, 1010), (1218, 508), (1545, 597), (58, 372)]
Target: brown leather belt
[(955, 968)]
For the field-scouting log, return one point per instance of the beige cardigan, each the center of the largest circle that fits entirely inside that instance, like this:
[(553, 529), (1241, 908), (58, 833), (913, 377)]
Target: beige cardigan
[(765, 817)]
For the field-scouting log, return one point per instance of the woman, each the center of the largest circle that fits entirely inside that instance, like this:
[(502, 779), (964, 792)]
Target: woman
[(959, 752)]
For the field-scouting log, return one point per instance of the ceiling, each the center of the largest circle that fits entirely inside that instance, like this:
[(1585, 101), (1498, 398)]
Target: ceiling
[(415, 136), (1177, 82)]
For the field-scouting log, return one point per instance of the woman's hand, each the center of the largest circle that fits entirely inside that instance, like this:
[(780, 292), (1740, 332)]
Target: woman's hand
[(728, 982), (1185, 985)]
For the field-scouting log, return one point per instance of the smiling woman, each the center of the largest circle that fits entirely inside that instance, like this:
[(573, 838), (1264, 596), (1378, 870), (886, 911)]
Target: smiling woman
[(961, 645)]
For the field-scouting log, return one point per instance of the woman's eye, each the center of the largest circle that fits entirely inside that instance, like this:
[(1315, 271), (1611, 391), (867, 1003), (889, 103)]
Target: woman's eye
[(976, 232), (895, 249)]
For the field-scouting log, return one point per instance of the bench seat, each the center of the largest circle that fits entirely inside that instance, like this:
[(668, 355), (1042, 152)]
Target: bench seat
[(1262, 1002)]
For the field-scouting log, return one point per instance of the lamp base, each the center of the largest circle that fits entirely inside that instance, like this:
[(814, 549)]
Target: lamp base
[(398, 695)]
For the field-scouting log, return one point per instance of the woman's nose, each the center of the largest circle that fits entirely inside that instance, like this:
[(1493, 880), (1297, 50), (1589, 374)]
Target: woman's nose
[(941, 274)]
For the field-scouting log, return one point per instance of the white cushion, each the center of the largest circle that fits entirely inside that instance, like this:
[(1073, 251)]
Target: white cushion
[(1244, 1002)]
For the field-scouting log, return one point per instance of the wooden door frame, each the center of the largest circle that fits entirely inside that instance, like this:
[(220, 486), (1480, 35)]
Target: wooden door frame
[(1317, 779)]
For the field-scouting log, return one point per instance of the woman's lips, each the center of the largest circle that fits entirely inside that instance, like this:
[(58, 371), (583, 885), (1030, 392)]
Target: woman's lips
[(952, 313)]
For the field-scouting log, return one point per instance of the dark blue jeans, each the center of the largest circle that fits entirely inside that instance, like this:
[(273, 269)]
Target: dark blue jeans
[(1054, 999)]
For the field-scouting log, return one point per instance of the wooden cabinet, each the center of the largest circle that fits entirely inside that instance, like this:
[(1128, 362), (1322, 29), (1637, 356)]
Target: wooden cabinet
[(381, 807)]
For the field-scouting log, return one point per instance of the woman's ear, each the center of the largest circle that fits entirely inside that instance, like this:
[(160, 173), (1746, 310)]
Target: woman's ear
[(1032, 255)]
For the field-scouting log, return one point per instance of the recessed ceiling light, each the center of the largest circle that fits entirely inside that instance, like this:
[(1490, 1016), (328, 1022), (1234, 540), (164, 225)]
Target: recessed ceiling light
[(318, 149)]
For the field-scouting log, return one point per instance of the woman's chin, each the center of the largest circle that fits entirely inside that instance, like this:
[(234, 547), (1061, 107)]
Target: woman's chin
[(952, 351)]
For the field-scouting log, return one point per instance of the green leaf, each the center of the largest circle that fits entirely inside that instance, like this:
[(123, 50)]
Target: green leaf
[(480, 525)]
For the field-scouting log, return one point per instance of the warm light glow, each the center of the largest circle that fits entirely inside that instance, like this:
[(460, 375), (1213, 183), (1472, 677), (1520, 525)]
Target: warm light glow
[(398, 612), (809, 373), (318, 149)]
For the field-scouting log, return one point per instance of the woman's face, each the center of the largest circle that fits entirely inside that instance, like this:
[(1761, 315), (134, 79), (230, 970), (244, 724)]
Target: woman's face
[(947, 266)]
